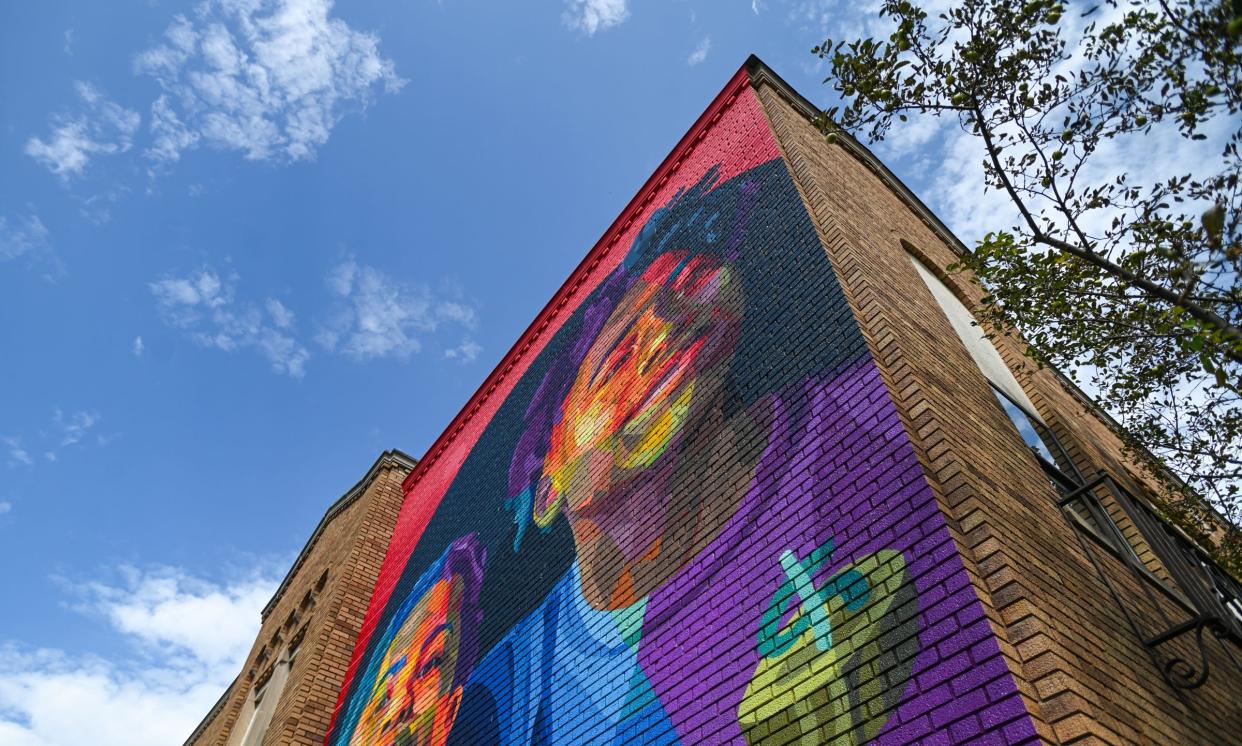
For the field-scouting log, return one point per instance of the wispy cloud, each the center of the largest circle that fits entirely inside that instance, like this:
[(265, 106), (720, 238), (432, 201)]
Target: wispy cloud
[(62, 431), (370, 315), (204, 306), (23, 236), (104, 128), (268, 78), (73, 428), (97, 207), (589, 16), (379, 316), (16, 451), (5, 507), (843, 19), (138, 347), (282, 317), (466, 352), (700, 52), (189, 638)]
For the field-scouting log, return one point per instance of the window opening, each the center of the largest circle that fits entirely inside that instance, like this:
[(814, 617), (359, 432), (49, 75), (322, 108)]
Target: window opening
[(1212, 598), (1034, 433)]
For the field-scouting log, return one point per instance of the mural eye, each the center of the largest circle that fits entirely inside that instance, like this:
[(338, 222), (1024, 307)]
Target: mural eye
[(431, 665), (617, 357), (622, 359)]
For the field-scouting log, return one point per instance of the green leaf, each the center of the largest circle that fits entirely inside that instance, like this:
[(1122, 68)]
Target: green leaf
[(1213, 220)]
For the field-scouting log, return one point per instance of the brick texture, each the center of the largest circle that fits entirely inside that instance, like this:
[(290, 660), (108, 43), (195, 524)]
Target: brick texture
[(1083, 674)]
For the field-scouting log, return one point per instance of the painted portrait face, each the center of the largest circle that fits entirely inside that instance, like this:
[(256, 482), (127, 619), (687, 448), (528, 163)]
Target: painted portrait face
[(417, 694), (658, 363)]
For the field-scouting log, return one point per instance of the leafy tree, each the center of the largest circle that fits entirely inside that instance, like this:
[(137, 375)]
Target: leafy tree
[(1132, 286)]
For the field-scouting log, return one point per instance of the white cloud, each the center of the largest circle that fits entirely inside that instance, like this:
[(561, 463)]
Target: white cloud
[(378, 316), (956, 192), (5, 506), (203, 305), (17, 452), (105, 128), (190, 636), (700, 52), (69, 39), (169, 136), (62, 431), (340, 278), (281, 316), (467, 352), (268, 78), (183, 293), (455, 311), (755, 6), (138, 347), (913, 136), (590, 16), (24, 236), (168, 610), (74, 428), (97, 207)]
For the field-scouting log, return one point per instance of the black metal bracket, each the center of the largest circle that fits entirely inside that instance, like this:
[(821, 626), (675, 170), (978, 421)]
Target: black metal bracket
[(1203, 585), (1178, 671)]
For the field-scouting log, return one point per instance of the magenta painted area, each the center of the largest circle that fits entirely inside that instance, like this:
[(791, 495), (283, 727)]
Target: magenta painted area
[(801, 498)]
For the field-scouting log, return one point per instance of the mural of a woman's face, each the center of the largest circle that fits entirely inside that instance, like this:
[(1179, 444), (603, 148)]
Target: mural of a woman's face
[(654, 374), (416, 697)]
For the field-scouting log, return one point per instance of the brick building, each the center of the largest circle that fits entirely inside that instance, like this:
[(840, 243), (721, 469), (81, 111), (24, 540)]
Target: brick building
[(753, 476), (289, 684)]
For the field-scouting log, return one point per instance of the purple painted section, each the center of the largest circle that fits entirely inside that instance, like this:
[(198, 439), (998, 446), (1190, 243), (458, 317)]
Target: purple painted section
[(805, 493)]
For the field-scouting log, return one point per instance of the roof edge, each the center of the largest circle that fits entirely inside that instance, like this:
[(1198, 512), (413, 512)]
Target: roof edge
[(761, 74), (392, 456), (211, 714)]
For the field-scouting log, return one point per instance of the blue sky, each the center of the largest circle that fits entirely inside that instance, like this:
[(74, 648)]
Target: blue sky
[(246, 245)]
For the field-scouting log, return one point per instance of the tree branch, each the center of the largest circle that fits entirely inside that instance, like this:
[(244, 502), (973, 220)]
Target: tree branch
[(1205, 315)]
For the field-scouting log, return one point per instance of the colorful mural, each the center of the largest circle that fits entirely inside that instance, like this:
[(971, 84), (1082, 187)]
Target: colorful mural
[(690, 516), (429, 651)]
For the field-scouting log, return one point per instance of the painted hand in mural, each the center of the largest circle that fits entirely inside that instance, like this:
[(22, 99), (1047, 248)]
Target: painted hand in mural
[(833, 668), (417, 686)]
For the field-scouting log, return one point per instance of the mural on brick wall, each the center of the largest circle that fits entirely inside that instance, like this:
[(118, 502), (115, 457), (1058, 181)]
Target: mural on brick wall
[(694, 517)]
